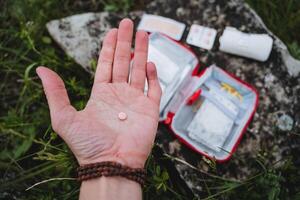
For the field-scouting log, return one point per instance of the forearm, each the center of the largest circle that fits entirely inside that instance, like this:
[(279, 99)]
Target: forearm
[(110, 188)]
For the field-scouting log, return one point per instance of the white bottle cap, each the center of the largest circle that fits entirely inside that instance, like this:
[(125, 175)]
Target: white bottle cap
[(255, 46)]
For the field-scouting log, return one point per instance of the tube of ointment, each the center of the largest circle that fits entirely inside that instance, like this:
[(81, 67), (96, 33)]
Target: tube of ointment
[(255, 46)]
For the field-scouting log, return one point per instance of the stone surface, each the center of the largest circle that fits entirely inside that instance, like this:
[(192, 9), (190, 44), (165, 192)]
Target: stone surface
[(276, 80), (80, 35)]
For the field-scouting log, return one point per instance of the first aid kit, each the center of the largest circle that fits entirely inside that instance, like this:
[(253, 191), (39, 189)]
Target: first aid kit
[(207, 109)]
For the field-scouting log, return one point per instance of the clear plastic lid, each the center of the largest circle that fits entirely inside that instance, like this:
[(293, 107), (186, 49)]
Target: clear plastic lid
[(173, 61)]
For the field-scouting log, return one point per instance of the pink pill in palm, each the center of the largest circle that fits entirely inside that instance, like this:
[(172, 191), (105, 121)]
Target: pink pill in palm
[(122, 116)]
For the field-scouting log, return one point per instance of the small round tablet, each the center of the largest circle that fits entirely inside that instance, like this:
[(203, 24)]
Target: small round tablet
[(122, 116)]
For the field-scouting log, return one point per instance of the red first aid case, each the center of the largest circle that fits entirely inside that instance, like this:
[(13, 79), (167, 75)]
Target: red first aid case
[(208, 110)]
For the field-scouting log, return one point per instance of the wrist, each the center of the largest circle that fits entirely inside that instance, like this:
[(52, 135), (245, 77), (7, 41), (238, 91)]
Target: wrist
[(110, 188), (130, 159)]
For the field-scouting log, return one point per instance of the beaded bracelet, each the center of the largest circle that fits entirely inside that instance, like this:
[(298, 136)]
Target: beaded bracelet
[(108, 168)]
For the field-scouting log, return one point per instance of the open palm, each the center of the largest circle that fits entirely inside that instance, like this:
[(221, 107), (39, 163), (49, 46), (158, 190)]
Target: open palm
[(96, 133)]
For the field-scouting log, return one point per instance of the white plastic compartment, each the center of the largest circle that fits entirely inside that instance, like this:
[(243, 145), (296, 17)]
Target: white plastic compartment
[(236, 110)]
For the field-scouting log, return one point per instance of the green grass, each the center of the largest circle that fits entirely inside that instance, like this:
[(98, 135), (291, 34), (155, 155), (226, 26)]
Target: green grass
[(31, 152)]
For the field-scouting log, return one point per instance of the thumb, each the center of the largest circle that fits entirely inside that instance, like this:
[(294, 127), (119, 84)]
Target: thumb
[(57, 97)]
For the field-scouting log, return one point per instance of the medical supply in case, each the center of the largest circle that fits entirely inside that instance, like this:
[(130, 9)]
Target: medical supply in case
[(204, 129), (208, 109)]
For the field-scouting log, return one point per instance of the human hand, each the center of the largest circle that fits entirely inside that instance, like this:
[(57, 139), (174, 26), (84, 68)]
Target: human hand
[(95, 133)]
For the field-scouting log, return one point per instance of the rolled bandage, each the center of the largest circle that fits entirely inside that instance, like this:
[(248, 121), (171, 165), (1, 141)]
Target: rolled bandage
[(255, 46)]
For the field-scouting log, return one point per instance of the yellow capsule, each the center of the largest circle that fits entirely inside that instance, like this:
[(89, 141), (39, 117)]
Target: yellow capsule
[(231, 90)]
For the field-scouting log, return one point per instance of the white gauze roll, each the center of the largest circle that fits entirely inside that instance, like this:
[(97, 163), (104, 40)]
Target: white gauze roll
[(255, 46)]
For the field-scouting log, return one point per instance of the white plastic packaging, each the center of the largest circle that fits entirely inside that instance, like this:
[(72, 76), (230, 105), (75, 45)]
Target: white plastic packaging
[(255, 46), (210, 126)]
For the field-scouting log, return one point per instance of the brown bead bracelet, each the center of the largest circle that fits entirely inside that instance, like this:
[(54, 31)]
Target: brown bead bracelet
[(109, 168)]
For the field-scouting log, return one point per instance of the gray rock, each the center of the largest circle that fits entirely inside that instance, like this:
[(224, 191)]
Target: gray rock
[(80, 35), (89, 27), (277, 80)]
